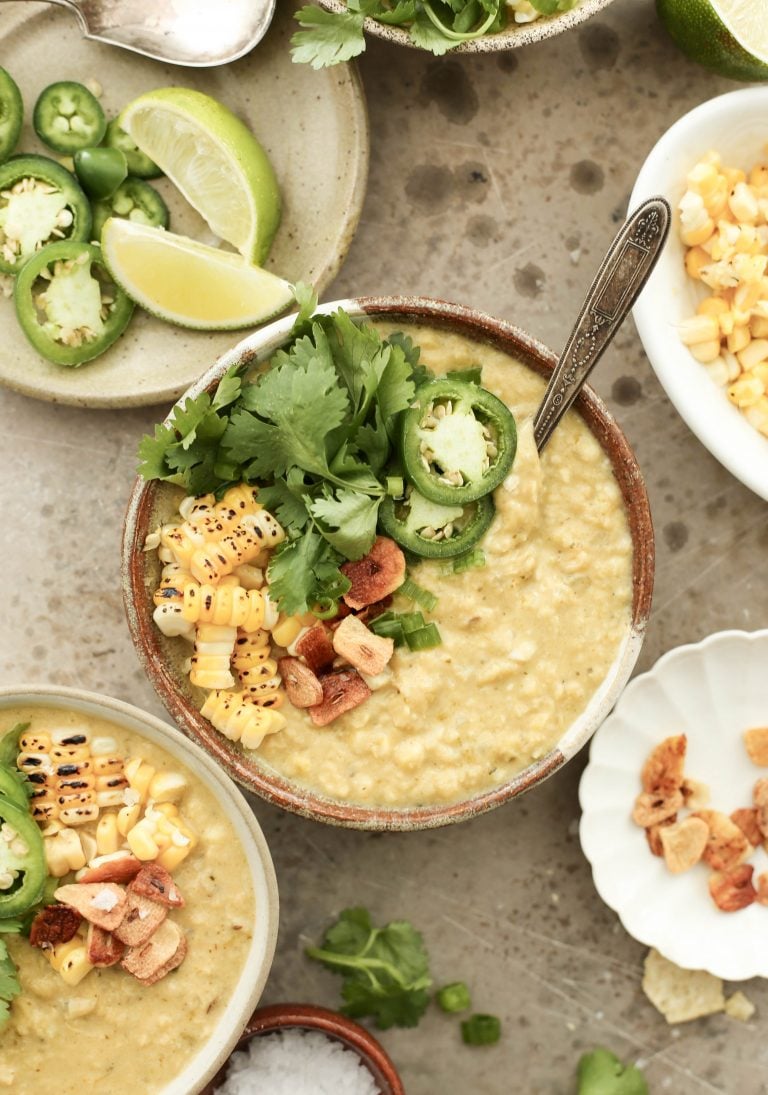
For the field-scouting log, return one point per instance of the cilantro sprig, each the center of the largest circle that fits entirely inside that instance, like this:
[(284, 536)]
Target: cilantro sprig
[(9, 975), (315, 430), (602, 1073), (385, 970), (328, 38)]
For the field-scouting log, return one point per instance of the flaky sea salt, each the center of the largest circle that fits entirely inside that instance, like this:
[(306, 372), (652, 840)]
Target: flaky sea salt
[(297, 1062)]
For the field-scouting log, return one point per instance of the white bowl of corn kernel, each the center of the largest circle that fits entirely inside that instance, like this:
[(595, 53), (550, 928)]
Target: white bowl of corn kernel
[(138, 826), (703, 318)]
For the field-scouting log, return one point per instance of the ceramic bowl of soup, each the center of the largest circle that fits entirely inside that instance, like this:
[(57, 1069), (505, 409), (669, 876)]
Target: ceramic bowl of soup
[(74, 1025), (536, 644)]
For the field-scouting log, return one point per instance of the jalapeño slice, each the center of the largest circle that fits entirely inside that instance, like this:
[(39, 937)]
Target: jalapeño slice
[(458, 442), (134, 200), (22, 859), (139, 164), (11, 114), (100, 171), (40, 202), (432, 530), (68, 117), (67, 304)]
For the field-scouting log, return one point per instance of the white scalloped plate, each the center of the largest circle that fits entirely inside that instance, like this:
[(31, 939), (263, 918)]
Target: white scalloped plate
[(712, 691)]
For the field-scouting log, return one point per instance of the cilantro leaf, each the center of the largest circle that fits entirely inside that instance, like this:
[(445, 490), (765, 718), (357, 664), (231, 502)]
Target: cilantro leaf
[(373, 440), (302, 571), (285, 498), (602, 1073), (9, 983), (385, 970), (228, 389), (348, 521), (306, 299), (396, 388), (426, 35), (360, 357), (152, 452), (327, 38)]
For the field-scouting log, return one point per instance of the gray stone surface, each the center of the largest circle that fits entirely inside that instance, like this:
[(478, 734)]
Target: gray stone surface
[(496, 181)]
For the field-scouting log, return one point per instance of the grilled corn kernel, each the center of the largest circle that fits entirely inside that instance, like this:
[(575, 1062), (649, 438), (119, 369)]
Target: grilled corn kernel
[(75, 966), (224, 606), (127, 818), (58, 955), (167, 787), (141, 841)]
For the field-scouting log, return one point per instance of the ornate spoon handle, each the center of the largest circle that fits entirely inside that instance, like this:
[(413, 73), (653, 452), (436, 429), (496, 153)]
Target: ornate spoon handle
[(623, 273)]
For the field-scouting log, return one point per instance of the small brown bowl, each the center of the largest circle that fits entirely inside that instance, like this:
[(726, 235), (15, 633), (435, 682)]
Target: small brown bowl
[(514, 36), (152, 503), (308, 1017)]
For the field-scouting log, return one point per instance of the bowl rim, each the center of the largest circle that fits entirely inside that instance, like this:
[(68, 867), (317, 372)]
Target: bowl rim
[(276, 1017), (515, 36), (281, 792), (138, 721), (655, 337)]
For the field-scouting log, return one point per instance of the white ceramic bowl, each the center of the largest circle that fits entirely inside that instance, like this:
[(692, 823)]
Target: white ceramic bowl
[(736, 125), (236, 810), (712, 691)]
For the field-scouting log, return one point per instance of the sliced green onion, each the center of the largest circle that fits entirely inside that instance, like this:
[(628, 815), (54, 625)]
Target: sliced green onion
[(454, 997), (326, 608), (468, 561), (411, 621), (424, 638), (388, 629), (416, 593), (471, 375), (395, 486), (481, 1030)]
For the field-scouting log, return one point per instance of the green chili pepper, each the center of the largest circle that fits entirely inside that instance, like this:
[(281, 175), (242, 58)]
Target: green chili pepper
[(326, 609), (68, 117), (454, 997), (434, 531), (63, 307), (14, 786), (9, 744), (139, 164), (22, 860), (100, 171), (481, 1030), (11, 114), (44, 203), (135, 200), (458, 441)]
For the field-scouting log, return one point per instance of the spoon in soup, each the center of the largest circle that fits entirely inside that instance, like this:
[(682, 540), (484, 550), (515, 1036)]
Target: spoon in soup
[(623, 273)]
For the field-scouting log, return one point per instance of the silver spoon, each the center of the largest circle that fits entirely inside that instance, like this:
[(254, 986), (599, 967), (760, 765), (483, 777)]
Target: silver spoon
[(196, 33), (617, 285)]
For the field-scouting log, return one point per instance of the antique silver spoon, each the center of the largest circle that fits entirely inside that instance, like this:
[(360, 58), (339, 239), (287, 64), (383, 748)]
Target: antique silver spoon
[(622, 274), (196, 33)]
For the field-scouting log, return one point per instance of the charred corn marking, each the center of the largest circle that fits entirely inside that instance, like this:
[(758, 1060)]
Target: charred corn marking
[(171, 588), (213, 652), (73, 776), (225, 606), (239, 720), (724, 223)]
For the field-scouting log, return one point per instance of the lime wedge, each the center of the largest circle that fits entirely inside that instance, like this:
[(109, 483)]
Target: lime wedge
[(214, 160), (728, 36), (184, 282)]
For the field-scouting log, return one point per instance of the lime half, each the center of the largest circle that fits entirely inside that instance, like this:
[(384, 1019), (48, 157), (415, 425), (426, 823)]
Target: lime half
[(214, 160), (728, 36), (184, 282)]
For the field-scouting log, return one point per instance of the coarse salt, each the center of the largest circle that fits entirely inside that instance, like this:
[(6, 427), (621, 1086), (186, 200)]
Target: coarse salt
[(104, 900), (297, 1062)]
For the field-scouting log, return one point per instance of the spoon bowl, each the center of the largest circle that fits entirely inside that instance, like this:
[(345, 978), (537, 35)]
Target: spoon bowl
[(195, 33)]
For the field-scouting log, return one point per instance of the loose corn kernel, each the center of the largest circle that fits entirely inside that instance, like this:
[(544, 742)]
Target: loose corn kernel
[(127, 818), (712, 306), (753, 354), (286, 631), (166, 787), (745, 391), (697, 329), (739, 339), (757, 415), (142, 843), (743, 203), (758, 326), (706, 352), (107, 835), (75, 966), (718, 370), (139, 776)]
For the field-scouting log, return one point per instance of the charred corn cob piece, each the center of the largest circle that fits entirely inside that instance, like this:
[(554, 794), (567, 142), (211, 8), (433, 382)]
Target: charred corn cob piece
[(73, 775), (223, 605), (171, 622), (257, 670), (213, 652), (182, 541), (239, 720), (172, 586), (220, 557)]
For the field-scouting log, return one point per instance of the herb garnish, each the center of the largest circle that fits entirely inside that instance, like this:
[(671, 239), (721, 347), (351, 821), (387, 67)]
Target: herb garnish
[(385, 970), (316, 430), (602, 1073), (9, 975), (327, 38)]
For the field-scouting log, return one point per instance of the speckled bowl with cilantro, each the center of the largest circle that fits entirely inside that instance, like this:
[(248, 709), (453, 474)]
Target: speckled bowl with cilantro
[(334, 30)]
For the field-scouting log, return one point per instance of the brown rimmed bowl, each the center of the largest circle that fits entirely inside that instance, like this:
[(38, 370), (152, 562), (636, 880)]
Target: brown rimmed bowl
[(278, 1017), (512, 37), (152, 503)]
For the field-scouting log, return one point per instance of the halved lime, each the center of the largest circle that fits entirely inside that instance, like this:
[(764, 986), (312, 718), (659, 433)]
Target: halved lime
[(728, 36), (214, 160), (184, 282)]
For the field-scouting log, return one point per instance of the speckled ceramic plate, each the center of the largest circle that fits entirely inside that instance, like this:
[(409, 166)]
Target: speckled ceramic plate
[(712, 692), (515, 35), (154, 503), (314, 127)]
